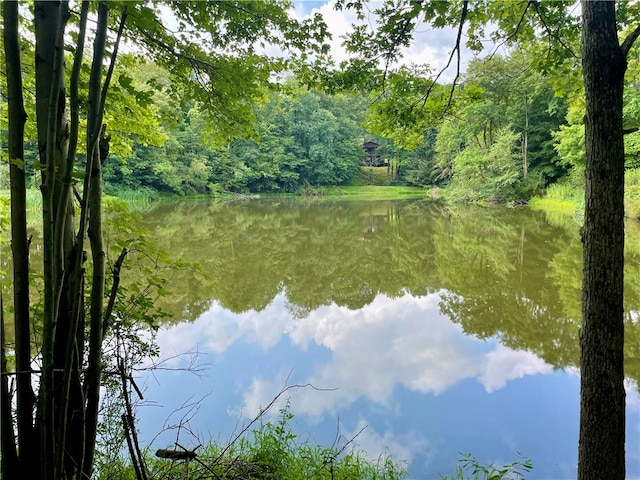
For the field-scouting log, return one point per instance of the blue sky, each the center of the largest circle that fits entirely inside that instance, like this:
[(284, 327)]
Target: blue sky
[(306, 6)]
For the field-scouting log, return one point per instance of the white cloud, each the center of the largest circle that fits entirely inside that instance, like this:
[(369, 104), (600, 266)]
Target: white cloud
[(504, 364), (218, 329), (388, 343), (403, 447), (262, 393), (633, 397), (430, 46)]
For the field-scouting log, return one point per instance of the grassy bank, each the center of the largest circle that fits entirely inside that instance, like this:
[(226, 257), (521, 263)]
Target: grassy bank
[(270, 451), (372, 176), (374, 192), (566, 199), (34, 206), (561, 199)]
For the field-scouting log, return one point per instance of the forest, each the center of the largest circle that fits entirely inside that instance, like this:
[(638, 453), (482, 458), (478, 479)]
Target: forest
[(512, 133)]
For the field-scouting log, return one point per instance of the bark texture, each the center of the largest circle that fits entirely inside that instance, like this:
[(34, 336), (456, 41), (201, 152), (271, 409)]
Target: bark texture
[(602, 399), (19, 242), (56, 438)]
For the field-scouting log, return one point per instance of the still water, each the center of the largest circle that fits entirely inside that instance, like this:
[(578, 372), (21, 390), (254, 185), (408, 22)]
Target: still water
[(441, 330)]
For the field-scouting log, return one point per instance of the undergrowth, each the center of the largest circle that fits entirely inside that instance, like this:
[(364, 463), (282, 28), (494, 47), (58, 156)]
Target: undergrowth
[(272, 451), (469, 469), (567, 197)]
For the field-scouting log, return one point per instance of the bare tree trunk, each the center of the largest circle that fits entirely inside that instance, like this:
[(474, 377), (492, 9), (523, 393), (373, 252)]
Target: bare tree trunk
[(71, 342), (50, 22), (602, 396), (8, 450), (19, 242), (98, 145)]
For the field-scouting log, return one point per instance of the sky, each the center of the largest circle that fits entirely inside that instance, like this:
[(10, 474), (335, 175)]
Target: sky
[(430, 46)]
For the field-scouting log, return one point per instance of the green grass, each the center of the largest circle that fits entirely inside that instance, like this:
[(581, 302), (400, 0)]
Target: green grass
[(137, 199), (548, 204), (560, 199), (374, 192), (566, 199), (271, 452), (139, 195), (371, 176), (632, 193), (470, 469), (34, 206), (34, 197)]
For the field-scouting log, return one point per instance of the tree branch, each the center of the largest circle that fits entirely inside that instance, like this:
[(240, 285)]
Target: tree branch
[(515, 31), (260, 414), (193, 61), (630, 40), (394, 44), (456, 51), (114, 290), (556, 37), (130, 430), (112, 64)]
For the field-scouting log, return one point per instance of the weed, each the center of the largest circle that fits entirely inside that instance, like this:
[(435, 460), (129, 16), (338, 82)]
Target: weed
[(468, 465), (271, 451)]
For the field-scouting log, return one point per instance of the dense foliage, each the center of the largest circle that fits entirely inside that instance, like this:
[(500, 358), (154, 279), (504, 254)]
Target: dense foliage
[(509, 135), (303, 139)]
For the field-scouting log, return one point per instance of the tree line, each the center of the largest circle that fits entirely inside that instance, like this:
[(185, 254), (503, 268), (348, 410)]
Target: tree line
[(510, 134)]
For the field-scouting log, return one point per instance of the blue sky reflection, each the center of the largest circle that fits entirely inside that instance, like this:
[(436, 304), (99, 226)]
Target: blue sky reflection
[(425, 389)]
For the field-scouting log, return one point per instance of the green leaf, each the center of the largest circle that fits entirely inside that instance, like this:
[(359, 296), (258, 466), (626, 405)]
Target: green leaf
[(18, 162)]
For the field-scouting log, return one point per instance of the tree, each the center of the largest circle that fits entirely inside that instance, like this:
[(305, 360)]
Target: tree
[(602, 405), (488, 173), (56, 417), (602, 397)]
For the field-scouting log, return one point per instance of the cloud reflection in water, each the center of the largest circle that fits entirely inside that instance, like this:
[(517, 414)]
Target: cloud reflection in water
[(386, 360), (390, 342)]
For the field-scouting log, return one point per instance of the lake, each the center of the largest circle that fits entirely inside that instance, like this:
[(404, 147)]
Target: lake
[(442, 330)]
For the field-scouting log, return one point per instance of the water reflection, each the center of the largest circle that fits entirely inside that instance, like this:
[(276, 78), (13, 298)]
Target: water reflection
[(425, 389), (443, 330), (505, 272), (387, 343)]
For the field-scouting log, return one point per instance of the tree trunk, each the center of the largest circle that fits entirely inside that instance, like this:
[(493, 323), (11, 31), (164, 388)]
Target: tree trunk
[(8, 452), (71, 420), (50, 21), (19, 242), (98, 145), (602, 397)]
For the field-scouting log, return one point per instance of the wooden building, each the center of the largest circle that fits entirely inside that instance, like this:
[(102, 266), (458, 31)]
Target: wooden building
[(372, 156)]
